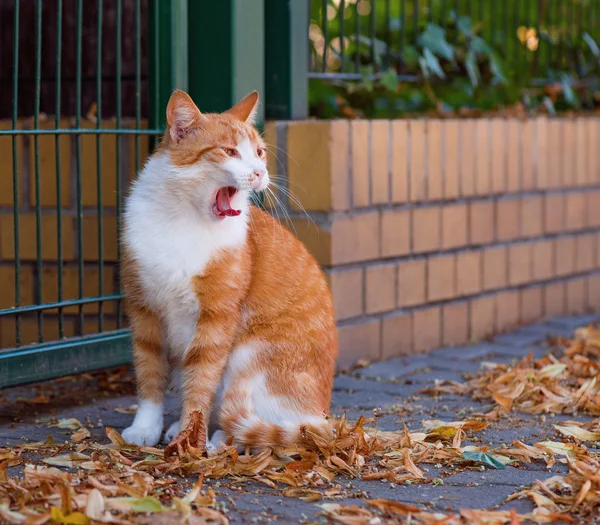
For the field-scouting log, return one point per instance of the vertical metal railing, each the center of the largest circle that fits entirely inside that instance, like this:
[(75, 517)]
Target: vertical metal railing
[(85, 100)]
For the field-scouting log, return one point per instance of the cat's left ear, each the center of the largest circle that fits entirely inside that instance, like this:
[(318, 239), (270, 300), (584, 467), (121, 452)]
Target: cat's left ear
[(245, 110)]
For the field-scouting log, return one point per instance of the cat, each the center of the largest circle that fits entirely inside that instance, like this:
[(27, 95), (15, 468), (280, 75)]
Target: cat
[(219, 294)]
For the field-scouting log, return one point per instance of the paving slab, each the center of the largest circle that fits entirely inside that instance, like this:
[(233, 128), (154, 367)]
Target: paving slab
[(391, 390)]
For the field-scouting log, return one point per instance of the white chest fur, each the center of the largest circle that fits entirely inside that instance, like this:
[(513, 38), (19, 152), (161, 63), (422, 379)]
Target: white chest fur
[(170, 244)]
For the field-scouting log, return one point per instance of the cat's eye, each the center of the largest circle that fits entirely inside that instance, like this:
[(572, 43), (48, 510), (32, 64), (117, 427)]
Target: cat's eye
[(259, 151), (231, 152)]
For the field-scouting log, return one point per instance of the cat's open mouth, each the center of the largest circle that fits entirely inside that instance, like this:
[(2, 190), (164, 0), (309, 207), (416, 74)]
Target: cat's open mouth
[(222, 207)]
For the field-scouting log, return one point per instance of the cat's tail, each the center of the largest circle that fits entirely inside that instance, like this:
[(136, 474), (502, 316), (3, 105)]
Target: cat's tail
[(252, 431)]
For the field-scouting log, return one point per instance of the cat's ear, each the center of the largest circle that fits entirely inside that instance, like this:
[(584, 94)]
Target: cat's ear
[(245, 110), (183, 116)]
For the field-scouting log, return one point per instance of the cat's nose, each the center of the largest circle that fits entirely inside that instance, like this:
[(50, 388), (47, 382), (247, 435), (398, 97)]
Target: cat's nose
[(256, 179)]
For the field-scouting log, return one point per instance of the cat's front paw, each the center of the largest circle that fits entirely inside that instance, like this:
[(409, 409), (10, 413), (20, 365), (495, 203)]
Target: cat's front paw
[(142, 436), (172, 432)]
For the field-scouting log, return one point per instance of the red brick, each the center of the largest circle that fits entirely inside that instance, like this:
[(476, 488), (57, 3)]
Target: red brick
[(468, 273), (532, 220), (498, 151), (565, 256), (481, 222), (418, 165), (532, 305), (397, 337), (576, 295), (542, 152), (467, 159), (585, 249), (359, 341), (454, 226), (495, 267), (452, 164), (455, 324), (355, 238), (395, 233), (576, 212), (360, 162), (593, 208), (482, 320), (513, 164), (594, 292), (435, 184), (568, 177), (483, 178), (347, 291), (554, 213), (508, 214), (519, 264), (380, 288), (543, 260), (581, 147), (593, 132), (411, 282), (427, 329), (527, 154), (400, 159), (507, 310), (380, 170), (426, 229), (554, 299), (339, 136), (440, 277), (554, 153)]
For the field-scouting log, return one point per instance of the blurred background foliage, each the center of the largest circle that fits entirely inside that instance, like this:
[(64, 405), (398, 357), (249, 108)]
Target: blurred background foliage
[(387, 58)]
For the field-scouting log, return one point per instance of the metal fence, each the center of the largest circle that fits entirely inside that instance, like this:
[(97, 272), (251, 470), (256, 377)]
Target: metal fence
[(83, 84), (532, 36)]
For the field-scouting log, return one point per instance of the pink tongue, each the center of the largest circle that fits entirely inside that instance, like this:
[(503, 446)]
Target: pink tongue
[(223, 203)]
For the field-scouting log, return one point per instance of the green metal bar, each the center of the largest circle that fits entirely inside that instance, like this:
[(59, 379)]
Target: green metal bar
[(286, 59), (416, 21), (372, 33), (36, 161), (388, 33), (78, 159), (402, 26), (80, 131), (62, 304), (59, 247), (119, 30), (138, 80), (325, 29), (342, 47), (76, 356), (99, 202), (357, 39), (15, 174)]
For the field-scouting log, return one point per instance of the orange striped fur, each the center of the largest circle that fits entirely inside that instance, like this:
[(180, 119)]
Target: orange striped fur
[(234, 303)]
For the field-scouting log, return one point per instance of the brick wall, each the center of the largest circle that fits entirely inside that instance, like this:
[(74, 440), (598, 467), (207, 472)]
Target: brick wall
[(440, 232), (43, 287)]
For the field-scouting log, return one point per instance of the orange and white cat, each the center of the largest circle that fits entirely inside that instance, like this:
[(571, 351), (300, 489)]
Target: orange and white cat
[(219, 294)]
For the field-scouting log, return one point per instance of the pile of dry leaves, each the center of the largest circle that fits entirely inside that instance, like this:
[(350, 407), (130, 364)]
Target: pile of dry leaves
[(88, 482)]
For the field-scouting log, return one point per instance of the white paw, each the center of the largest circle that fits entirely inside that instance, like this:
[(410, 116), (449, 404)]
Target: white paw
[(172, 432), (219, 438), (142, 436)]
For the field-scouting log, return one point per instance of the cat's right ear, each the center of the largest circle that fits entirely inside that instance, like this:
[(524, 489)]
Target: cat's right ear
[(183, 116)]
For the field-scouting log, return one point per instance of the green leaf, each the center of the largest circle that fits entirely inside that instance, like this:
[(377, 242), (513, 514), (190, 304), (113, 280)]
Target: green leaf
[(483, 457), (145, 504), (587, 38), (434, 40), (389, 80), (569, 94), (410, 56), (433, 64), (465, 25), (497, 69), (472, 68), (549, 106), (479, 45)]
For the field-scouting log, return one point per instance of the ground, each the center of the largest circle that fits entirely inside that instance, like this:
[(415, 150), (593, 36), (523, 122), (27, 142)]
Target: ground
[(392, 390)]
